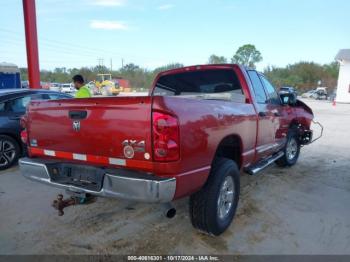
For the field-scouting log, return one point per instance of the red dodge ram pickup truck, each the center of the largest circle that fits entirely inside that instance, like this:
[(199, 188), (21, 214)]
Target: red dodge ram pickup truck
[(194, 132)]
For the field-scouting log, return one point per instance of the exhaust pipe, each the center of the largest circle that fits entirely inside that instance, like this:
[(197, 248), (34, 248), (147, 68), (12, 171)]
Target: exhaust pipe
[(169, 210)]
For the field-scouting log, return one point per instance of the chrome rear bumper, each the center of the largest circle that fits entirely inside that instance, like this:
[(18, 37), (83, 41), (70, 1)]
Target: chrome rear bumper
[(143, 188)]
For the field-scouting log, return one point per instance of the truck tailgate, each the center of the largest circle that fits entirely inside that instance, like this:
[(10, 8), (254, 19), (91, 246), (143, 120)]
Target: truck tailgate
[(101, 127)]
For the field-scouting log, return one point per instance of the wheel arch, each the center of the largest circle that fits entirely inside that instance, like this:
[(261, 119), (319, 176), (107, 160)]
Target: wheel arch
[(230, 147)]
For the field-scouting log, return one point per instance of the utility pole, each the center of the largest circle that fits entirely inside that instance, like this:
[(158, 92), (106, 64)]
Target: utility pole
[(122, 63), (111, 65), (100, 61), (31, 43), (100, 64)]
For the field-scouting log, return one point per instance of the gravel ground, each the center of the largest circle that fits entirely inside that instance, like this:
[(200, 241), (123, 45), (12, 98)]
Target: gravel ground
[(298, 210)]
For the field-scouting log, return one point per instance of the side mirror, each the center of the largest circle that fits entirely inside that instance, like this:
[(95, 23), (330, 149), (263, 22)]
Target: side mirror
[(288, 98)]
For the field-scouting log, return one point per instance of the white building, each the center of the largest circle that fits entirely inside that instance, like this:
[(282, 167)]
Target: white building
[(343, 90)]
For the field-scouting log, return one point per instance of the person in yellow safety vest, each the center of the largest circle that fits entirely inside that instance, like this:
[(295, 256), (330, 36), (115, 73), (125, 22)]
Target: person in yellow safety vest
[(82, 90)]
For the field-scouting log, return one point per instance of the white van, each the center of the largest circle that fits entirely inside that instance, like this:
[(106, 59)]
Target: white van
[(67, 88)]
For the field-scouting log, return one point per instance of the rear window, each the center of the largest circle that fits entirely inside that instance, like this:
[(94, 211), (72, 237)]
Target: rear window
[(205, 84)]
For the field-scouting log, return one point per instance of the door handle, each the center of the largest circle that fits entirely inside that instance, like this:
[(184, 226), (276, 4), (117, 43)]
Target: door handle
[(75, 115), (262, 114)]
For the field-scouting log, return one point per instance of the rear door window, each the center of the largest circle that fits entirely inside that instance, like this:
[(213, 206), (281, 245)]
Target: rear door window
[(18, 105), (201, 84)]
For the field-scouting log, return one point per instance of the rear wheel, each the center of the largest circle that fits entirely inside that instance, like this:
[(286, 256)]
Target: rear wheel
[(212, 208), (291, 150), (9, 151)]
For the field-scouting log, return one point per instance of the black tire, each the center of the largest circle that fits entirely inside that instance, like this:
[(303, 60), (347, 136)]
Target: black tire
[(9, 151), (290, 159), (204, 205)]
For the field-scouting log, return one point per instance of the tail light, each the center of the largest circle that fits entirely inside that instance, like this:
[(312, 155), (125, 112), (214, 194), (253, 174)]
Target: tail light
[(166, 139), (24, 133), (24, 136)]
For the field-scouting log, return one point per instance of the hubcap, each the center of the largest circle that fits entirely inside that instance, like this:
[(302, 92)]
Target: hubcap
[(7, 152), (292, 149), (226, 197)]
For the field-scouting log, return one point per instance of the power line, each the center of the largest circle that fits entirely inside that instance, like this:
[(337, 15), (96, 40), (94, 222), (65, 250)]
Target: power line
[(70, 45), (59, 43), (63, 52), (66, 50)]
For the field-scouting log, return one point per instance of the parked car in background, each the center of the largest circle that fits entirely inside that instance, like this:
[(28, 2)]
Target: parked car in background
[(288, 90), (45, 85), (67, 88), (13, 104), (55, 87), (25, 84), (308, 94), (321, 93)]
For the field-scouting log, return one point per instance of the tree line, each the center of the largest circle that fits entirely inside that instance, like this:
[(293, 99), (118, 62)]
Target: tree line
[(137, 76), (302, 75)]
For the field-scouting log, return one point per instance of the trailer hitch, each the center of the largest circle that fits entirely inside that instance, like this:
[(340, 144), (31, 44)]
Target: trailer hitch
[(60, 203)]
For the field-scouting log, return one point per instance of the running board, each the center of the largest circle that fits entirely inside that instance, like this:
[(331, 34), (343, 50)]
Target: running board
[(254, 169)]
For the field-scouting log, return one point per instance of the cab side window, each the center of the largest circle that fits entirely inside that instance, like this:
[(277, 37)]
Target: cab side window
[(258, 88), (271, 91)]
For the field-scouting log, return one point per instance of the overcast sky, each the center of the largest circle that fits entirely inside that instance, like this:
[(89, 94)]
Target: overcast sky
[(151, 33)]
